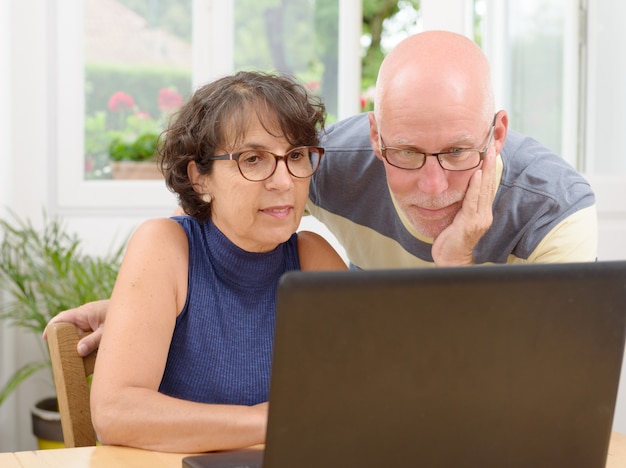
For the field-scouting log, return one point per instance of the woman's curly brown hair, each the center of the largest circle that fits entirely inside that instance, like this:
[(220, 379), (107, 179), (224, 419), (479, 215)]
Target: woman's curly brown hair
[(216, 118)]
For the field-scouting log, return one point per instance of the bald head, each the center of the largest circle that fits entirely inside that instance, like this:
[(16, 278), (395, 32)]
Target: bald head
[(433, 72)]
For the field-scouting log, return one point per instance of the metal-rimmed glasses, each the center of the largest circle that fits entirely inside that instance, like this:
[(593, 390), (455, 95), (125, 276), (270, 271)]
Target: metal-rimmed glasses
[(459, 159), (258, 165)]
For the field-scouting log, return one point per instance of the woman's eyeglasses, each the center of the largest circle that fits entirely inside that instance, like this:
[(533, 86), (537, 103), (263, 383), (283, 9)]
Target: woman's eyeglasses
[(258, 165)]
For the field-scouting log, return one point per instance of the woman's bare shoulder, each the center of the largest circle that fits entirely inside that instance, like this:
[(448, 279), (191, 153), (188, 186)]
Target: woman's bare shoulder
[(317, 254)]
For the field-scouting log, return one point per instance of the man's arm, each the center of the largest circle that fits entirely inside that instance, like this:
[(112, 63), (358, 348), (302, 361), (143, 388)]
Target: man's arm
[(575, 239), (87, 317)]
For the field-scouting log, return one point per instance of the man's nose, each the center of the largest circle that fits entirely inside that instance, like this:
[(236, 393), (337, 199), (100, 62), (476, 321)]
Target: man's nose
[(433, 179)]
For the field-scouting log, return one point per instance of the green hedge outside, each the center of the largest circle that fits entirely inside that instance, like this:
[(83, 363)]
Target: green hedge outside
[(142, 83)]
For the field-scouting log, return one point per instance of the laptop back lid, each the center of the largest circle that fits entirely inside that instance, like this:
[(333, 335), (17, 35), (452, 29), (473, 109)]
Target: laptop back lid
[(493, 366)]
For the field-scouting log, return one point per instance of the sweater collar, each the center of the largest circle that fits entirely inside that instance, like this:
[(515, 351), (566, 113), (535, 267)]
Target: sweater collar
[(237, 266)]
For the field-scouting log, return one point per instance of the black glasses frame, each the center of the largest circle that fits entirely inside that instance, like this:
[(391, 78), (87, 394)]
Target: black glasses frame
[(482, 153)]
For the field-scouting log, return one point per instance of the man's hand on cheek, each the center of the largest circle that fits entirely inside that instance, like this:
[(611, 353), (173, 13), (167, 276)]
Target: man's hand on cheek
[(455, 245)]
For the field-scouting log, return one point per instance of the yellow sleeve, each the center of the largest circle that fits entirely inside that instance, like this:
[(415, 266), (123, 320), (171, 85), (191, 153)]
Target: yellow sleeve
[(575, 239)]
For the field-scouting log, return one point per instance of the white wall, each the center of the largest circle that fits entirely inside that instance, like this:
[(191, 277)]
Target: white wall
[(7, 341), (24, 163)]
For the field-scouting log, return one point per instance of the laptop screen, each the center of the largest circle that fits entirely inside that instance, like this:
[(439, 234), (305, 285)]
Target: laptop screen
[(469, 366)]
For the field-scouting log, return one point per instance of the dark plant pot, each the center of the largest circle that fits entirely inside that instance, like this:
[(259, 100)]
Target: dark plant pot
[(46, 421)]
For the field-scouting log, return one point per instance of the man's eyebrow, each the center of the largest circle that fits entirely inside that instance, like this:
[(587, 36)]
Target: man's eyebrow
[(463, 140)]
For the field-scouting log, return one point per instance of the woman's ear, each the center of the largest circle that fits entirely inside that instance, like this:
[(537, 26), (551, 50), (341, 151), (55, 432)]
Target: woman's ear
[(199, 182)]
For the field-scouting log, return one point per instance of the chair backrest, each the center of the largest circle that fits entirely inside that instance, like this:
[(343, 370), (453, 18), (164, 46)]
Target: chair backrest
[(70, 379)]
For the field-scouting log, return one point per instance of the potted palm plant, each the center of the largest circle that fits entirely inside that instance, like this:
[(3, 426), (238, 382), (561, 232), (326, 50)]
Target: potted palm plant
[(43, 272)]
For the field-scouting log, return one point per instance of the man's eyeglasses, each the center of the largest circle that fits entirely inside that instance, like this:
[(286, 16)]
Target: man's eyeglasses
[(258, 165), (459, 159)]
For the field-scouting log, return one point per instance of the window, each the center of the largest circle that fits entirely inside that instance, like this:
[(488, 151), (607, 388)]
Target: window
[(298, 37), (137, 65), (557, 74), (533, 47), (606, 91), (122, 68)]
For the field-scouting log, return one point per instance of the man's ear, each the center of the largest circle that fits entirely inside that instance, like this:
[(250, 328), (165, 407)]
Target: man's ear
[(499, 133), (374, 137)]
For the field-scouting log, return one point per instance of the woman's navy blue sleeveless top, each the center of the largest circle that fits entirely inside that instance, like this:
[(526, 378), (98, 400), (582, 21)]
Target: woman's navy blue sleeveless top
[(222, 343)]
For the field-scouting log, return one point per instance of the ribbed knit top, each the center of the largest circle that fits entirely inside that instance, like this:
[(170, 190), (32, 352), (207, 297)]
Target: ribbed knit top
[(222, 343)]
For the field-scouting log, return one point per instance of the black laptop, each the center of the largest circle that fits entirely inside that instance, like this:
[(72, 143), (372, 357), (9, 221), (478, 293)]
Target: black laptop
[(488, 366)]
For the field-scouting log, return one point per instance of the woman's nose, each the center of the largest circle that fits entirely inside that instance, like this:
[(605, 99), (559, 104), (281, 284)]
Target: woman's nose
[(281, 178)]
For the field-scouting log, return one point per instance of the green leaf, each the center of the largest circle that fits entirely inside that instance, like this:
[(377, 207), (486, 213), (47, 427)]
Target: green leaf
[(43, 272), (121, 149), (145, 146), (20, 376)]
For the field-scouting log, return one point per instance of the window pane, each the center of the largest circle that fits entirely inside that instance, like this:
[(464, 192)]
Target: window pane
[(536, 54), (606, 117), (299, 37), (137, 71)]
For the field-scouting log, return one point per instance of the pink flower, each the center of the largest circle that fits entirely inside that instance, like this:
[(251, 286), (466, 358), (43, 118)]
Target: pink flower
[(169, 99), (364, 102), (120, 101), (313, 86), (143, 115), (89, 165)]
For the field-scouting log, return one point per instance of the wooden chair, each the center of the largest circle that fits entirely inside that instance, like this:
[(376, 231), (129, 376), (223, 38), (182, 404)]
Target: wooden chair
[(70, 379)]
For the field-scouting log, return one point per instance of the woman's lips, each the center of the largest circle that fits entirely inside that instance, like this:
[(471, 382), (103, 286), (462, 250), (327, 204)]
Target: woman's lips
[(278, 212)]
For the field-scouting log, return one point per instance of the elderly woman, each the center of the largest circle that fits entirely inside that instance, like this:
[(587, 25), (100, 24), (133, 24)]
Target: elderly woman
[(185, 356)]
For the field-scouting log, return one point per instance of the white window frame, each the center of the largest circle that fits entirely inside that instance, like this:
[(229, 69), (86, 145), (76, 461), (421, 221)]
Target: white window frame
[(213, 57), (72, 190)]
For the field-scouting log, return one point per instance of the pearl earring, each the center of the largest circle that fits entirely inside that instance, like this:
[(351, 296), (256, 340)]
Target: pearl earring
[(207, 198)]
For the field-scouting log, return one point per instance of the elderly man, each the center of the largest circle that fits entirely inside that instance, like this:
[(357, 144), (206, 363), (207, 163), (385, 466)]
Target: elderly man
[(434, 177)]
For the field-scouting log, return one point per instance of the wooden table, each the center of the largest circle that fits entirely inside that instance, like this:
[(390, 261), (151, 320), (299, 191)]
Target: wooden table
[(105, 457), (93, 457)]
